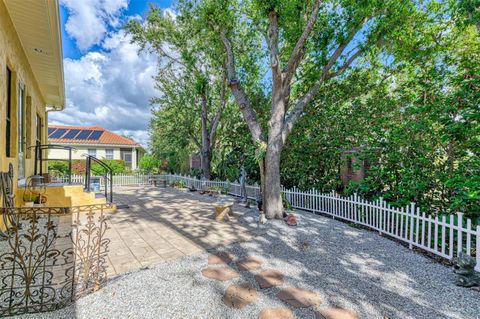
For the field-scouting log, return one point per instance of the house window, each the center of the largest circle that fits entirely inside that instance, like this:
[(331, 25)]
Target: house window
[(109, 154), (9, 114), (126, 156), (92, 152)]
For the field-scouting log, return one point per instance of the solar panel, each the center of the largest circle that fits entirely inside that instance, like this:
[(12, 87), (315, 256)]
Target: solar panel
[(83, 134), (95, 135), (51, 130), (58, 133), (71, 134)]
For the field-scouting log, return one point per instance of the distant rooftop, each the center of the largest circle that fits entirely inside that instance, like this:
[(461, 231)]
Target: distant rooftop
[(86, 135)]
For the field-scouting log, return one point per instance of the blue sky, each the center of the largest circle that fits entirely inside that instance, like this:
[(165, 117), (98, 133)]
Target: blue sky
[(135, 7), (108, 82)]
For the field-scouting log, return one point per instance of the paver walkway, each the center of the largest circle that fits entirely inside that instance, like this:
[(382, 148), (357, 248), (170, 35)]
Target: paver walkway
[(164, 224)]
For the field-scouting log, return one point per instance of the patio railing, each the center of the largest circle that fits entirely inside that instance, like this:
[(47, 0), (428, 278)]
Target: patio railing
[(442, 235), (51, 256)]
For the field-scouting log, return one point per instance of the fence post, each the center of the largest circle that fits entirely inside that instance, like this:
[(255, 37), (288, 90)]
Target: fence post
[(459, 229), (380, 214), (333, 209), (412, 220), (355, 215), (477, 267)]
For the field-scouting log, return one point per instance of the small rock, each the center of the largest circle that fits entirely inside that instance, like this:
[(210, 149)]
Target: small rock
[(269, 278), (220, 258), (249, 263), (299, 298), (238, 296), (221, 273), (276, 313), (335, 313)]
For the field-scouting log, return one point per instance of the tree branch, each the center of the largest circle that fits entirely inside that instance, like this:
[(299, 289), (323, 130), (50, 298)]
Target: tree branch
[(295, 113), (194, 139), (240, 96), (218, 115), (272, 41), (298, 51)]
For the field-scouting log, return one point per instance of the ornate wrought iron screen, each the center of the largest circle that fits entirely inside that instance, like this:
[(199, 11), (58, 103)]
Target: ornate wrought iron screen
[(51, 256)]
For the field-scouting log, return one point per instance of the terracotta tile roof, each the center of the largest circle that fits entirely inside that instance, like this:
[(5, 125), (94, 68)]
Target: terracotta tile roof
[(102, 136)]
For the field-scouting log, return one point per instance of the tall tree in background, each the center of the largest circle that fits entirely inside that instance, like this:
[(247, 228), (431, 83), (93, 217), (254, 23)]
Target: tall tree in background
[(187, 74)]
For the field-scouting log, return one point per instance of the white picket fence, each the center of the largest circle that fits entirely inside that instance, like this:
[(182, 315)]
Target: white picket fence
[(445, 236)]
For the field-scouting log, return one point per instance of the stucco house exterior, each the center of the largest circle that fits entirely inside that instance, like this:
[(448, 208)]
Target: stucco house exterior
[(31, 80), (95, 141)]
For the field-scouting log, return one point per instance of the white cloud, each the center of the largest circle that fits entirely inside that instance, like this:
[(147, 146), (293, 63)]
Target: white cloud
[(110, 88), (89, 20)]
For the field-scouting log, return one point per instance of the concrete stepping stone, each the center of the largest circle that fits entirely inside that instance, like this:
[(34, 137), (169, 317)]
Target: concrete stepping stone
[(276, 313), (335, 313), (238, 296), (299, 298), (220, 273), (220, 258), (269, 278), (249, 263)]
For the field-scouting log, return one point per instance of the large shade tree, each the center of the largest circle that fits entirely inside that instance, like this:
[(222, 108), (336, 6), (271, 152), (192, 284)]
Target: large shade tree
[(307, 44)]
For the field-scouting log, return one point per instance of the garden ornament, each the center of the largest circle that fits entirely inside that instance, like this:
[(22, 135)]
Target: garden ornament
[(243, 181), (291, 220), (464, 267)]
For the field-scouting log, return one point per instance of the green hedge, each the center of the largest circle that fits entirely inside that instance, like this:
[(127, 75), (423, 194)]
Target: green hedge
[(78, 167)]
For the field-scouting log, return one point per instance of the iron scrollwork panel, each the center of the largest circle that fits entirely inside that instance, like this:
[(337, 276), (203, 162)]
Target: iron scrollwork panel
[(50, 257)]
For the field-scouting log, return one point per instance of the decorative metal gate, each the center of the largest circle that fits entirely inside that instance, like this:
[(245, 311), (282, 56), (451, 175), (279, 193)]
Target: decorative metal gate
[(51, 256)]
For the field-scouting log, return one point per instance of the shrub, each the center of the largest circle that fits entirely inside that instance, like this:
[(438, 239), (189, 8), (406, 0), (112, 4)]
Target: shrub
[(178, 184), (117, 166), (149, 164), (58, 167), (79, 166)]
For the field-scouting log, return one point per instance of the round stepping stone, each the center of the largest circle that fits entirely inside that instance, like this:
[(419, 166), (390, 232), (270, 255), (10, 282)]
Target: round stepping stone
[(249, 263), (238, 296), (220, 273), (335, 313), (269, 278), (276, 313), (299, 298), (220, 258)]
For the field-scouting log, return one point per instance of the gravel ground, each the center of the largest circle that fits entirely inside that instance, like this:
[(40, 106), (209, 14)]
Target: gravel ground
[(350, 268)]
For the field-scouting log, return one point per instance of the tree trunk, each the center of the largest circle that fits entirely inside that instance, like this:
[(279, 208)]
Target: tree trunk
[(273, 206), (206, 146)]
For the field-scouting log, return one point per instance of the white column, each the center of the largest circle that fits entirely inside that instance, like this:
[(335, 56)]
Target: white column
[(134, 158)]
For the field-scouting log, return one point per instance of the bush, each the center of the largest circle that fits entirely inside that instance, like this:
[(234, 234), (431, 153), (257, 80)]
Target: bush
[(149, 164), (117, 166), (60, 168), (178, 184)]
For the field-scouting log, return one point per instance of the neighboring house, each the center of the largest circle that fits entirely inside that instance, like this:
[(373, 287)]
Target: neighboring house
[(31, 80), (95, 141)]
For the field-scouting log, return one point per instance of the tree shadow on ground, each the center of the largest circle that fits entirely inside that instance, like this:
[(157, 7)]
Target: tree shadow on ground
[(350, 268)]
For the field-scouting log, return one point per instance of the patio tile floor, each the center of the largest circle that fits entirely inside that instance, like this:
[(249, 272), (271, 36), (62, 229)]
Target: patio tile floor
[(165, 224)]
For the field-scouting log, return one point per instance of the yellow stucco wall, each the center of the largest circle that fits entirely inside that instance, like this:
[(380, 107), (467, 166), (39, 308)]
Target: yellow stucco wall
[(65, 196), (13, 56)]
